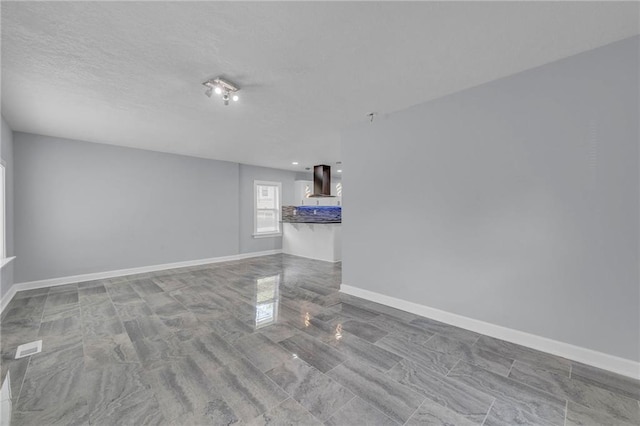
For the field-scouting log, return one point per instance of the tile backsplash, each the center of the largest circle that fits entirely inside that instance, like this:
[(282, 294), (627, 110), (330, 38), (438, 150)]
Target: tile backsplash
[(312, 214)]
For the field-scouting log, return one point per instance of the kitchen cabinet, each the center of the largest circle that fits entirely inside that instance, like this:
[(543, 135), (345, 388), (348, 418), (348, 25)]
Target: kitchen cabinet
[(304, 188)]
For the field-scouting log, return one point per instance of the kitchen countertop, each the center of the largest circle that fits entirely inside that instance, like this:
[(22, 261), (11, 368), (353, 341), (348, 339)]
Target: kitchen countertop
[(318, 222)]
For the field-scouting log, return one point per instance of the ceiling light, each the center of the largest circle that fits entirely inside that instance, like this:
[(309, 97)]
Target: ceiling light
[(295, 163), (221, 87), (339, 171)]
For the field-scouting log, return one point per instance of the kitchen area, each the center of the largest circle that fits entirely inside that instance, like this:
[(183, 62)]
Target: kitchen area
[(313, 227)]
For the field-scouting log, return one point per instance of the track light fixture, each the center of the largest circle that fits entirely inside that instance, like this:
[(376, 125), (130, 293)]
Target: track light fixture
[(221, 87)]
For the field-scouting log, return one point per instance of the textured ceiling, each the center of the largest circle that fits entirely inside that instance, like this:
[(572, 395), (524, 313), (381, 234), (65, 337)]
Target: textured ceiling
[(129, 73)]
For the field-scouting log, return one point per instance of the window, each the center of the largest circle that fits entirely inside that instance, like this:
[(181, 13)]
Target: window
[(266, 208)]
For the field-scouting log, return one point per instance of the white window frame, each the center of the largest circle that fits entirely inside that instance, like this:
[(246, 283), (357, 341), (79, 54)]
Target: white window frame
[(3, 216), (3, 210), (278, 209)]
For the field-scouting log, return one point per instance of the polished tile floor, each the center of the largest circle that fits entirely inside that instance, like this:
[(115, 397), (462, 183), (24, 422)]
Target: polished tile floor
[(271, 341)]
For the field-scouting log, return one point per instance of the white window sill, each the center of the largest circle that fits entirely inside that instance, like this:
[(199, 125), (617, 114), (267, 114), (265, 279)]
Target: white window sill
[(5, 261), (271, 235)]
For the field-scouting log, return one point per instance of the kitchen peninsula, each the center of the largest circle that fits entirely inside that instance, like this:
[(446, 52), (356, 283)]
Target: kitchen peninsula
[(312, 231)]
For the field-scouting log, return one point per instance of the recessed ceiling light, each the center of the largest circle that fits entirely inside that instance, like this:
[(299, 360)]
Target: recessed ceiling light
[(295, 163), (339, 171)]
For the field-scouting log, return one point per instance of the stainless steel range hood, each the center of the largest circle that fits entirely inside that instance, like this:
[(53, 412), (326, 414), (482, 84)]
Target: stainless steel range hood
[(321, 181)]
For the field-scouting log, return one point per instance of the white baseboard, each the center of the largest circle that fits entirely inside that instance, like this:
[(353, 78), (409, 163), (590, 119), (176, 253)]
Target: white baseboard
[(7, 298), (52, 282), (597, 359)]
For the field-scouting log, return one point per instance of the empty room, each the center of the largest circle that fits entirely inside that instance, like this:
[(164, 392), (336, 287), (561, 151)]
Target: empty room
[(320, 213)]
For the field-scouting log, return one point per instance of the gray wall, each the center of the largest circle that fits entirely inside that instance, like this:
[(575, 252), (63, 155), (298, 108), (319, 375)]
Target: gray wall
[(6, 153), (84, 207), (249, 174), (515, 202)]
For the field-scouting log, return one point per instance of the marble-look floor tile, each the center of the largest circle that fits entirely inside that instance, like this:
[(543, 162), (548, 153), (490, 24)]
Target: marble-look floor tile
[(387, 311), (17, 369), (432, 413), (611, 381), (395, 400), (18, 306), (358, 412), (145, 287), (61, 323), (185, 394), (116, 394), (277, 332), (100, 320), (402, 330), (182, 325), (363, 330), (218, 413), (91, 299), (199, 302), (27, 307), (14, 332), (171, 282), (72, 412), (114, 349), (446, 330), (58, 297), (89, 284), (150, 327), (530, 356), (60, 302), (211, 351), (616, 406), (318, 393), (164, 304), (229, 327), (357, 349), (577, 415), (174, 362), (350, 311), (507, 413), (436, 361), (30, 293), (471, 354), (64, 312), (315, 353), (84, 291), (122, 293), (516, 403), (45, 387), (63, 288), (64, 347), (289, 412), (456, 396), (130, 311), (247, 390), (152, 351), (261, 351)]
